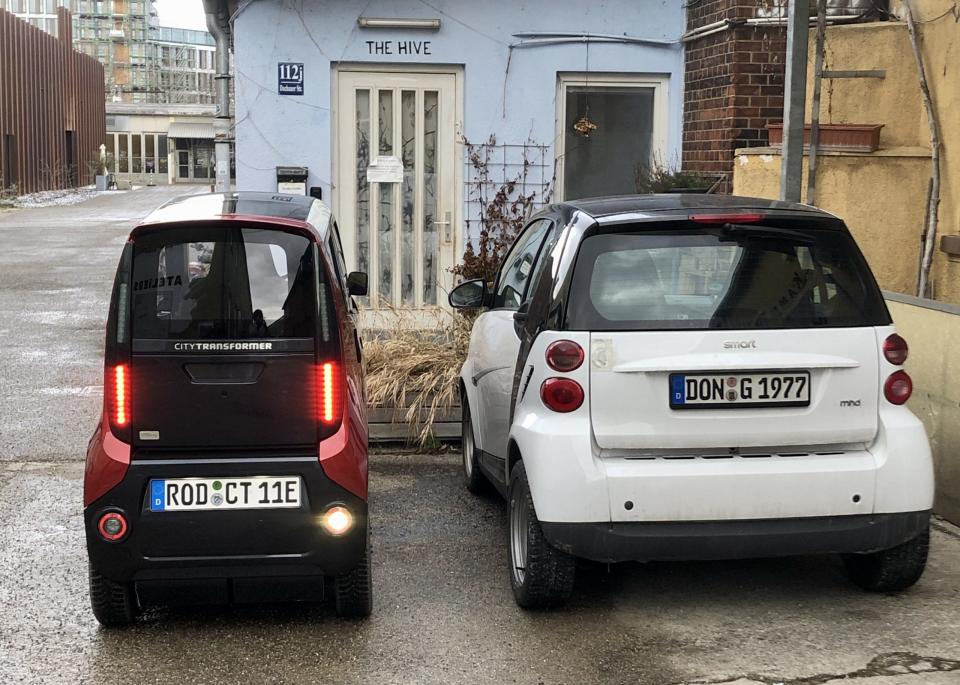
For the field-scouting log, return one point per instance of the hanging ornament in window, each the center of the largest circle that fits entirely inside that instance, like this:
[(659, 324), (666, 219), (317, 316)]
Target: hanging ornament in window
[(584, 126)]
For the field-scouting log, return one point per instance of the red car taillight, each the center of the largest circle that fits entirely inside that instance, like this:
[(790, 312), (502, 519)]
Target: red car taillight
[(330, 388), (118, 397), (898, 388), (564, 355), (561, 394), (895, 349), (112, 526)]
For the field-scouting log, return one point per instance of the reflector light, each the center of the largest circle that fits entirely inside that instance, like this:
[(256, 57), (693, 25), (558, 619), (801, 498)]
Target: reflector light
[(726, 218), (328, 394), (112, 526), (337, 520), (564, 355), (121, 395), (898, 388), (561, 394), (895, 349)]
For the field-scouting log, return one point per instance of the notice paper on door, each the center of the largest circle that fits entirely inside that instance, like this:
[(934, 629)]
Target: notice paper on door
[(385, 169)]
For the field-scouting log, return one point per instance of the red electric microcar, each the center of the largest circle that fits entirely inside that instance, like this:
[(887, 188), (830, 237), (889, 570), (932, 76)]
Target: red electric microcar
[(231, 455)]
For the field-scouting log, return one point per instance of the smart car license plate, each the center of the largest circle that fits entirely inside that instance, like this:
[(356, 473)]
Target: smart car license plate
[(194, 494), (732, 390)]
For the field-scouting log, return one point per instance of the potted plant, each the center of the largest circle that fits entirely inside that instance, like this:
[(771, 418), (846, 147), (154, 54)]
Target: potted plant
[(836, 137), (659, 178)]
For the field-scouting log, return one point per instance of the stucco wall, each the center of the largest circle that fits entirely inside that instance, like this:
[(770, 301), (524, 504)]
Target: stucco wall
[(883, 197), (517, 105), (934, 366)]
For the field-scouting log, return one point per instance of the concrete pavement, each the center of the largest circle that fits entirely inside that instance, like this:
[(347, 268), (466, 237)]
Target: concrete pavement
[(443, 609)]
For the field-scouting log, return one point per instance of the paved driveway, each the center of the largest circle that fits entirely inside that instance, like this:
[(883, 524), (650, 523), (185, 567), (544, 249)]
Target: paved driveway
[(443, 609)]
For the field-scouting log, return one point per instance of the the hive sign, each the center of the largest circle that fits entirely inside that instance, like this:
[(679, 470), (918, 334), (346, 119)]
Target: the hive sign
[(290, 78)]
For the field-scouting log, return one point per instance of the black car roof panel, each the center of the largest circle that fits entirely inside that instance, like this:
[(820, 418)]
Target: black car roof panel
[(599, 207)]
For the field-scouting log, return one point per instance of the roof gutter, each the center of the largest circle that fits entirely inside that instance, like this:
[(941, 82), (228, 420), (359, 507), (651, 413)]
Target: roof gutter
[(218, 24)]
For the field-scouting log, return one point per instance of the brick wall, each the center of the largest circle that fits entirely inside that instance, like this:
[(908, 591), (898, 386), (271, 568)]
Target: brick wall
[(733, 85)]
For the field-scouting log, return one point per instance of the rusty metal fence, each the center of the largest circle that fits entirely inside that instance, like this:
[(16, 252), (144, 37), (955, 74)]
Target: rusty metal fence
[(52, 118)]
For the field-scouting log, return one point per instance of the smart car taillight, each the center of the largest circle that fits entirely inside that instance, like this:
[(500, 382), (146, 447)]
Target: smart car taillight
[(118, 389), (898, 388), (895, 349), (564, 355), (561, 394)]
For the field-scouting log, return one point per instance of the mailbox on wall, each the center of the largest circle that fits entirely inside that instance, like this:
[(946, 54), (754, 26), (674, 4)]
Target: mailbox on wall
[(292, 180)]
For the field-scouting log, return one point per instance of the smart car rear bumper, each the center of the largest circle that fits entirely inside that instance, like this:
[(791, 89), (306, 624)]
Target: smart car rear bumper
[(705, 540)]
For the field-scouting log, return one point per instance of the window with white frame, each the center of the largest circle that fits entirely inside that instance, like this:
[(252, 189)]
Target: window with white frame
[(608, 126)]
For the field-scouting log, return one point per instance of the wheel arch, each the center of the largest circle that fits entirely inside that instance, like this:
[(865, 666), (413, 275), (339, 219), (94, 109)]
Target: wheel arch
[(513, 456)]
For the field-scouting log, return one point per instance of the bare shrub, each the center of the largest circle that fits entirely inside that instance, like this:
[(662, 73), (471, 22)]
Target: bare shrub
[(418, 369)]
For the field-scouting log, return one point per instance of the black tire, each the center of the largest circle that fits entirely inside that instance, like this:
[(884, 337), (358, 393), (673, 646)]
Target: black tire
[(114, 604), (473, 479), (540, 574), (353, 591), (892, 569)]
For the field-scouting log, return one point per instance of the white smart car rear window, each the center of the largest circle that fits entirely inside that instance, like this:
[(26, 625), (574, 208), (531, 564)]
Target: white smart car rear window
[(733, 277)]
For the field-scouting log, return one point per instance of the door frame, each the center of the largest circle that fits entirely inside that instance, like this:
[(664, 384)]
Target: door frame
[(457, 200), (660, 83)]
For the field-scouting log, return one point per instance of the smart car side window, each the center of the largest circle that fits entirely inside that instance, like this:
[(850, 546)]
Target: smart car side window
[(518, 266)]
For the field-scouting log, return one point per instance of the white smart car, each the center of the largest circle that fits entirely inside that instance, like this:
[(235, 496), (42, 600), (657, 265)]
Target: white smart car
[(692, 377)]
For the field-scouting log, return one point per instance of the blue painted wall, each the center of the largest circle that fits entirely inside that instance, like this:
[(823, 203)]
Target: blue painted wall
[(516, 105)]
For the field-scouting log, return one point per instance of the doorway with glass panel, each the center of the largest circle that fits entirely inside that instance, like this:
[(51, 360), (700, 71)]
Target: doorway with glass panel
[(395, 189)]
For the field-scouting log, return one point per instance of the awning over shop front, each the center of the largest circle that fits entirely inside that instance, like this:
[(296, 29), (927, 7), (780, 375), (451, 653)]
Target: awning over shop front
[(180, 129)]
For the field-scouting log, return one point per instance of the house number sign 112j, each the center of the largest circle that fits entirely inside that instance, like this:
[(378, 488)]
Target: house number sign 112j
[(290, 78)]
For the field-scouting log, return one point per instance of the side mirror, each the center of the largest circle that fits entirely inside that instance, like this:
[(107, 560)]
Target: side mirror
[(469, 295), (357, 283)]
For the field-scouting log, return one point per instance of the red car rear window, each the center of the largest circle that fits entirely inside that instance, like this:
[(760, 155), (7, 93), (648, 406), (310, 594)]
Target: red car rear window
[(223, 283)]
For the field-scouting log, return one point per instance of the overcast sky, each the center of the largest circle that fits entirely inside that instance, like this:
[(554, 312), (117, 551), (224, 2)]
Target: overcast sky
[(184, 14)]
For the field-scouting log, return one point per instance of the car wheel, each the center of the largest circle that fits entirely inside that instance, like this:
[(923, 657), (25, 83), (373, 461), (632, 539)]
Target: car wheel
[(353, 591), (540, 574), (473, 479), (114, 604), (892, 569)]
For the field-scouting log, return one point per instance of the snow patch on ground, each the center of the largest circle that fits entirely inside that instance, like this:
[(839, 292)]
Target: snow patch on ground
[(58, 198)]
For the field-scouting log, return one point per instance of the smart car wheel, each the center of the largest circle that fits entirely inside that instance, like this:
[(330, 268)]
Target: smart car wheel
[(114, 604), (472, 478), (353, 591), (892, 569), (540, 574)]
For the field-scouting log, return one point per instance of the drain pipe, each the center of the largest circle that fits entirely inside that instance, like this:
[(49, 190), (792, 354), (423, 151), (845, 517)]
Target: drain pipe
[(218, 24)]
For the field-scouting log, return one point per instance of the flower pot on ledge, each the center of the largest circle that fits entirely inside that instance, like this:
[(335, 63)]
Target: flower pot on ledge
[(837, 137)]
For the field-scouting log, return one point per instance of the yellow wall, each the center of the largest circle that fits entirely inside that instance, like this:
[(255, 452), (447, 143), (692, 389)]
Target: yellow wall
[(934, 366), (883, 196)]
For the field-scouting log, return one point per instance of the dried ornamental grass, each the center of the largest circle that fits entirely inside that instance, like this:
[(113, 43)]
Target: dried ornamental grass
[(418, 369)]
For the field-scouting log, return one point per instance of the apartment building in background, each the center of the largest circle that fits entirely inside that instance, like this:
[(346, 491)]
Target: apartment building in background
[(143, 61)]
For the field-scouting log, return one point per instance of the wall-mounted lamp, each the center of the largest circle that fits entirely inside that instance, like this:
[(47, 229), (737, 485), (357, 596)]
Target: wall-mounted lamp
[(398, 23)]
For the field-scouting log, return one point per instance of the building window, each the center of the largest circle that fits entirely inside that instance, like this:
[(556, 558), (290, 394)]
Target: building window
[(111, 155), (608, 126), (162, 153)]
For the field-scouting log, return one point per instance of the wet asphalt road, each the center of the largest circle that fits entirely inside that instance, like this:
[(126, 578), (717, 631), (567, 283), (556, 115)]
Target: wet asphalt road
[(443, 609)]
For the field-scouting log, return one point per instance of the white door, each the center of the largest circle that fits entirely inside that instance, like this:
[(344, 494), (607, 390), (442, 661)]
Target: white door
[(395, 198)]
